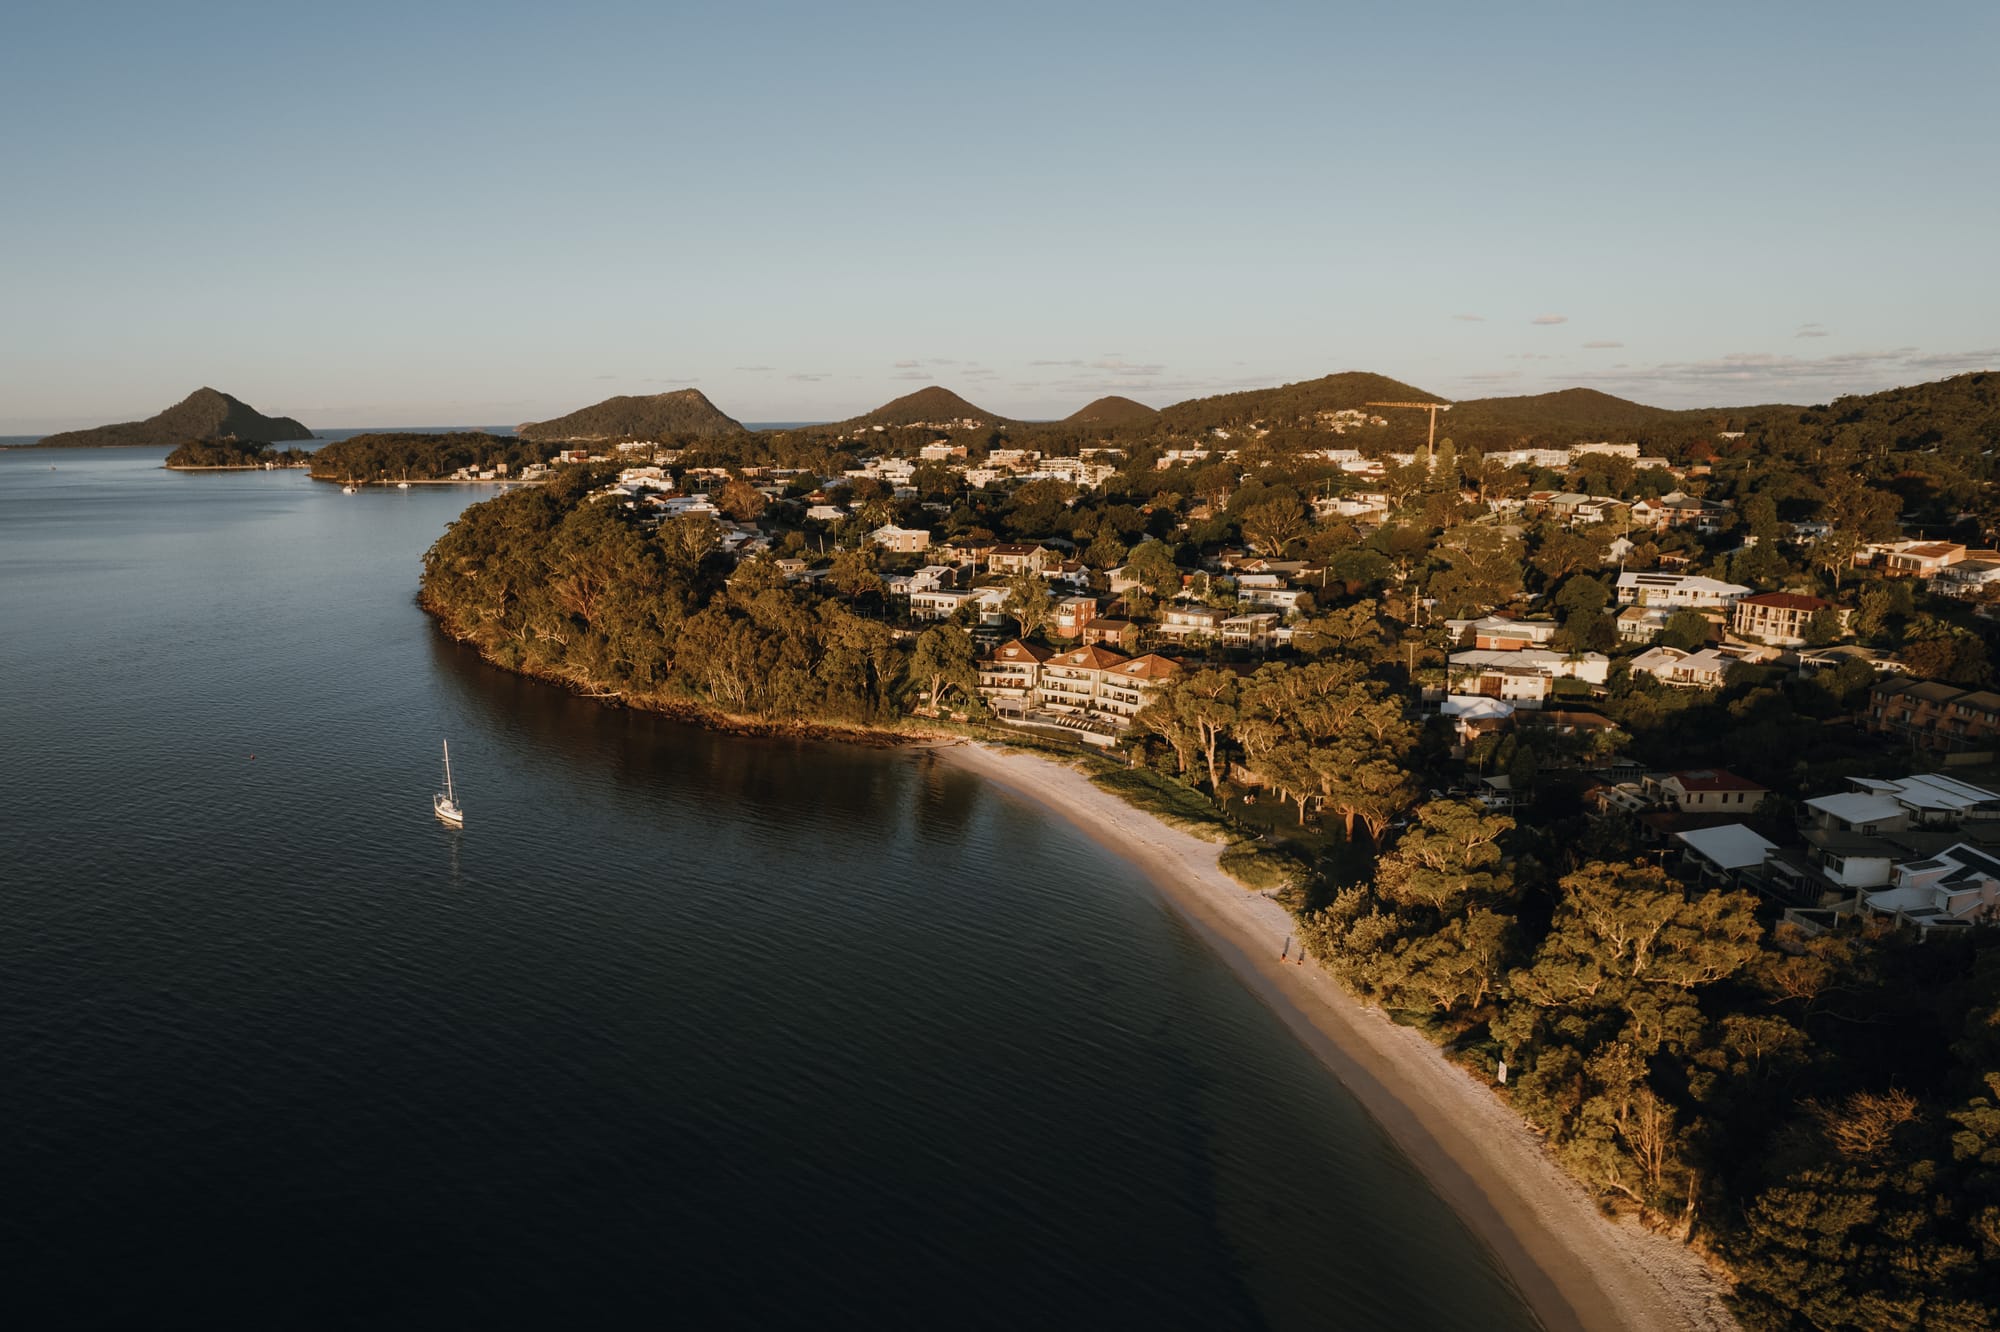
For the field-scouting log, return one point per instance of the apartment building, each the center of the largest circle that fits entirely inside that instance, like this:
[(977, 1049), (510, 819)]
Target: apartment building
[(1777, 618), (1935, 715), (1093, 685)]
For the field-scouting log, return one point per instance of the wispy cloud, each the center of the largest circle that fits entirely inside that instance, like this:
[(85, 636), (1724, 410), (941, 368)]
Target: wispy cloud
[(912, 374), (604, 376), (804, 377), (1470, 318), (754, 369), (1601, 346), (1550, 319), (1745, 377), (1530, 356), (1812, 331), (1109, 364), (905, 365)]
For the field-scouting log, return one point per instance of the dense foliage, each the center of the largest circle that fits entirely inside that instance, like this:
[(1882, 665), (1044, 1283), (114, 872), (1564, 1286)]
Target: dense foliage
[(551, 583), (421, 457), (234, 453)]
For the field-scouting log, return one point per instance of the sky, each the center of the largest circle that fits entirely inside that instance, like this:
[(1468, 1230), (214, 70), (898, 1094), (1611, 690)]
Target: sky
[(412, 213)]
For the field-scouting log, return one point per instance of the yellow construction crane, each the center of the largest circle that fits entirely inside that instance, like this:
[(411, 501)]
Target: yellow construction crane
[(1430, 446)]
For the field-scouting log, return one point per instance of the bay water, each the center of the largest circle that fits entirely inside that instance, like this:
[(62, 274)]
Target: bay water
[(681, 1028)]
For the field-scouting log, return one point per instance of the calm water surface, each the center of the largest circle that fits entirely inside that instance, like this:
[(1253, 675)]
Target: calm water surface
[(681, 1028)]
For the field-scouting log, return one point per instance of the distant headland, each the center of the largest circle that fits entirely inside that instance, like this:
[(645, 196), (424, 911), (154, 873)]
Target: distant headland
[(206, 414)]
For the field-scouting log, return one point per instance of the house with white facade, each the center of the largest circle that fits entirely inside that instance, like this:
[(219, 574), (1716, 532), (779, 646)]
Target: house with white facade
[(1955, 889), (1525, 677), (1778, 618), (1677, 591), (1190, 619), (1706, 669)]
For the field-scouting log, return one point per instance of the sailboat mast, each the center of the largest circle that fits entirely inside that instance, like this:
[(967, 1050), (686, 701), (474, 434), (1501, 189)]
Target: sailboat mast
[(449, 794)]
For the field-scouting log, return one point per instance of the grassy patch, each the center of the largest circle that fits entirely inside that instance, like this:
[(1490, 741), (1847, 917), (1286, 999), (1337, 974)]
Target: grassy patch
[(1262, 867), (1168, 801)]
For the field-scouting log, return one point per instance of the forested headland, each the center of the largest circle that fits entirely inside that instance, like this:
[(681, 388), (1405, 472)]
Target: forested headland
[(1820, 1113), (205, 414), (423, 457)]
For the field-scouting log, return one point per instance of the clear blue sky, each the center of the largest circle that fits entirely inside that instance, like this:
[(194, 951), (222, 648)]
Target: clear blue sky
[(453, 213)]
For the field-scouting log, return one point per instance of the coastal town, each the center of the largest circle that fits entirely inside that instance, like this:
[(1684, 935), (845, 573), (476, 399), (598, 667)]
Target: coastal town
[(1283, 667), (1604, 582), (1476, 718)]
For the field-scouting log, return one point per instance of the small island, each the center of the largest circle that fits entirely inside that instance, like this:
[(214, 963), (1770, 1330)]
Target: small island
[(205, 415)]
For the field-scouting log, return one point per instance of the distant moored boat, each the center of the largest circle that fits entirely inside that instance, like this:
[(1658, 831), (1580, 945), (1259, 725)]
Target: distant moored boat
[(445, 802)]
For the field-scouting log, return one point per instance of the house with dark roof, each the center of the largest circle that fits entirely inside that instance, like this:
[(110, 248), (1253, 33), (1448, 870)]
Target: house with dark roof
[(1953, 890), (1778, 618), (1934, 715)]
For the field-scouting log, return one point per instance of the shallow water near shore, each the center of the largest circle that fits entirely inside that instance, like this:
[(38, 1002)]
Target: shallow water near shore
[(681, 1026)]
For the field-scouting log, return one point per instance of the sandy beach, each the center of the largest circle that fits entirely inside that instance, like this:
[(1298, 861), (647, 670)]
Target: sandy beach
[(1575, 1267)]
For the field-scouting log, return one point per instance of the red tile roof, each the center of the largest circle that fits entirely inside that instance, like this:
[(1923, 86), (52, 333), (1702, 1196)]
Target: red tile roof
[(1785, 601), (1715, 779), (1017, 651)]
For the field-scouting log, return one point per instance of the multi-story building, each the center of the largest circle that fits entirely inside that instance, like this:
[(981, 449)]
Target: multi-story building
[(1016, 557), (1185, 619), (1778, 618), (1008, 676), (1935, 715), (1114, 633), (1092, 685), (1072, 614), (901, 540)]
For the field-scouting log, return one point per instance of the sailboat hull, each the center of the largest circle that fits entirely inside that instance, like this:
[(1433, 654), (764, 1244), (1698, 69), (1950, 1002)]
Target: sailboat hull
[(448, 811)]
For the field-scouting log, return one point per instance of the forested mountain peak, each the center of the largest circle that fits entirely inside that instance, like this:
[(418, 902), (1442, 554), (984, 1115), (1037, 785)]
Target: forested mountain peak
[(1292, 404), (935, 405), (1113, 410), (205, 414), (653, 416)]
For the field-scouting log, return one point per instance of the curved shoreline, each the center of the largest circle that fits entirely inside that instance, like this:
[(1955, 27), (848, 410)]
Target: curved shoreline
[(1574, 1267)]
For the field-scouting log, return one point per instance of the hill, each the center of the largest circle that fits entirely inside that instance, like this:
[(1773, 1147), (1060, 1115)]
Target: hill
[(1115, 411), (657, 416), (934, 406), (1291, 405), (1959, 413), (205, 414), (1572, 409)]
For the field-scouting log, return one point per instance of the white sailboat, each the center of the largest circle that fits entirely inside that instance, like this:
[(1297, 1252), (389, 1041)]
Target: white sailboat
[(445, 802)]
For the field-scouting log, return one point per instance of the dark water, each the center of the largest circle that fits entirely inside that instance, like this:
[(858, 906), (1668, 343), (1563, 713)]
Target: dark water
[(681, 1030)]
